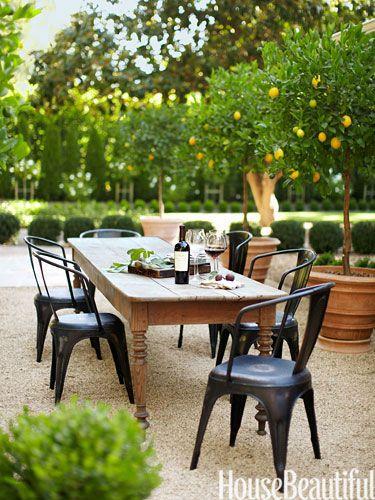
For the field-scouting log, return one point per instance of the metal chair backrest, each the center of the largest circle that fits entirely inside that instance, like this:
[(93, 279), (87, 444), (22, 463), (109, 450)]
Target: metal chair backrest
[(109, 233), (74, 270), (319, 296), (34, 243), (238, 246), (301, 272)]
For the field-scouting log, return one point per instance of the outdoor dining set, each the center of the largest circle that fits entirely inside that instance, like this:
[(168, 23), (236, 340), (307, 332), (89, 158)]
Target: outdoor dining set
[(244, 317)]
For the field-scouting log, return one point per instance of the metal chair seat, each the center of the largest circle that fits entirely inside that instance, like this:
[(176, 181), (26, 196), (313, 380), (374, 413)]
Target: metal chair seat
[(258, 371), (290, 323), (86, 322), (61, 296)]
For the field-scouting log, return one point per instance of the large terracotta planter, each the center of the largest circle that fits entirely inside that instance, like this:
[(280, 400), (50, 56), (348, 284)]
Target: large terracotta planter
[(350, 316), (258, 245), (166, 229)]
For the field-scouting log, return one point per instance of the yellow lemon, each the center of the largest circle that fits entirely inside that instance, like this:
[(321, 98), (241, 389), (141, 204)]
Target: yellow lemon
[(273, 92), (237, 115), (211, 163), (192, 141), (316, 177), (346, 121), (107, 186), (315, 81), (199, 156), (294, 175), (295, 129), (206, 126), (151, 157), (279, 153), (268, 158), (322, 137), (130, 168), (335, 143), (300, 133), (313, 103)]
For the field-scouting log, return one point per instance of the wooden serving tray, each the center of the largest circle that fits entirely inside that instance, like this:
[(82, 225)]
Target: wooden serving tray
[(166, 273)]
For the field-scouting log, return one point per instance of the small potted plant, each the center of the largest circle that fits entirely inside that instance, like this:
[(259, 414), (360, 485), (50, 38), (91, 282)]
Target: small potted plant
[(155, 134), (325, 108)]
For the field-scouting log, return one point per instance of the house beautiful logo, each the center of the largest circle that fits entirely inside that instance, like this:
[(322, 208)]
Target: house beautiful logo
[(344, 485)]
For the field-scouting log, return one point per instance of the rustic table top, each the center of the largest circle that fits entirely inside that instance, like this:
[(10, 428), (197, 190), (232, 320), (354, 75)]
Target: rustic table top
[(99, 253)]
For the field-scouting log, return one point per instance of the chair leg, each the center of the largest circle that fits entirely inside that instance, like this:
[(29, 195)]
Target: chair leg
[(44, 313), (95, 344), (119, 341), (278, 352), (180, 337), (238, 402), (308, 399), (62, 362), (52, 379), (208, 403), (292, 341), (116, 361), (213, 339), (224, 335), (279, 423)]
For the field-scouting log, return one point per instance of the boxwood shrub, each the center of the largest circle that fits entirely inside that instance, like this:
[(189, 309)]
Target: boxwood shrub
[(140, 204), (76, 451), (238, 226), (153, 206), (199, 224), (209, 206), (45, 227), (285, 206), (338, 204), (290, 232), (195, 206), (236, 207), (74, 226), (299, 206), (251, 207), (9, 226), (326, 236), (362, 205), (363, 237), (314, 206), (169, 206), (183, 206), (372, 205), (120, 222), (223, 206), (327, 205), (353, 204)]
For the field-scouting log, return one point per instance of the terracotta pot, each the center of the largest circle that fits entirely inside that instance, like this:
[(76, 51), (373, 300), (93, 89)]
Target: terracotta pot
[(350, 316), (166, 229), (258, 245)]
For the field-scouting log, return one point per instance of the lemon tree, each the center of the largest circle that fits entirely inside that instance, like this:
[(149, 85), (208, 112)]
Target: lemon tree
[(324, 113)]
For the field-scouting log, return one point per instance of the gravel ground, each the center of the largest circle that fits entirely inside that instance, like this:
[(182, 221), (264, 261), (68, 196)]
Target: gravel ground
[(344, 387)]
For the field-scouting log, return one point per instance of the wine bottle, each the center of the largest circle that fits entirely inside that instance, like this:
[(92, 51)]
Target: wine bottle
[(181, 259)]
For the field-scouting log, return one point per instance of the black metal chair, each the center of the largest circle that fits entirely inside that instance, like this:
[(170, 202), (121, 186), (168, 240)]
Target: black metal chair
[(62, 297), (69, 329), (238, 246), (250, 331), (276, 383), (109, 233)]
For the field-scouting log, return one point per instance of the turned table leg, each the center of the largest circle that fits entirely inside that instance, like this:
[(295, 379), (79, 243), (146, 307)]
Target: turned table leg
[(266, 321), (76, 282)]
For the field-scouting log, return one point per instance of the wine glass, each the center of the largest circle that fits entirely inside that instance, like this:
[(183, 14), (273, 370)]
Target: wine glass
[(196, 240), (216, 244)]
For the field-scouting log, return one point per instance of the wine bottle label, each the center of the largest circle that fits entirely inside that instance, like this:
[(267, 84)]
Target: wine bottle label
[(181, 261)]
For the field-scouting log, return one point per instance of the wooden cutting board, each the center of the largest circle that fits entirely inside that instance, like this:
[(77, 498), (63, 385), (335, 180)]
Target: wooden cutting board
[(166, 273)]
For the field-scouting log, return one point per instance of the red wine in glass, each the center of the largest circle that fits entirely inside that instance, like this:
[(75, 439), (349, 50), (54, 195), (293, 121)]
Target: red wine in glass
[(216, 244)]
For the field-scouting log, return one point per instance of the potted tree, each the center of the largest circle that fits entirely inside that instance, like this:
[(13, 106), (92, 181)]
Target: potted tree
[(156, 132), (325, 106), (225, 137)]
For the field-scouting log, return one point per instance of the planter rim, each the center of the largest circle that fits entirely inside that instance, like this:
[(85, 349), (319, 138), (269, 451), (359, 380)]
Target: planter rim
[(319, 272), (157, 218), (268, 239)]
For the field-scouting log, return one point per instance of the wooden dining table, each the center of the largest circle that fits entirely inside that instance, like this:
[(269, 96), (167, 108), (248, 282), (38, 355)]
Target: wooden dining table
[(145, 301)]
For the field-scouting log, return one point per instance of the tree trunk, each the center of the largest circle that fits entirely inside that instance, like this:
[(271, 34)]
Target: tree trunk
[(347, 230), (245, 201), (160, 194), (263, 187)]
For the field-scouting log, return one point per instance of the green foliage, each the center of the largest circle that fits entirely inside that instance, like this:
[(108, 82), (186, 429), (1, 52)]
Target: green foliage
[(195, 206), (314, 206), (290, 232), (77, 451), (327, 259), (183, 206), (74, 226), (223, 206), (139, 204), (119, 222), (71, 149), (299, 206), (251, 206), (235, 207), (363, 237), (199, 224), (326, 236), (51, 163), (153, 206), (95, 162), (12, 145), (9, 226), (365, 262), (209, 206), (372, 205), (238, 226), (45, 227), (170, 206), (285, 206), (327, 205), (353, 204), (362, 205)]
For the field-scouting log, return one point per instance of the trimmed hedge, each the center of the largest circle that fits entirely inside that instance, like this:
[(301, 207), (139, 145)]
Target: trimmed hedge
[(183, 206), (290, 232), (209, 206), (326, 236), (153, 206), (45, 227), (223, 206), (327, 205), (74, 226), (120, 222), (299, 206), (236, 207), (314, 206), (169, 206), (285, 206), (237, 226), (363, 237), (140, 204), (9, 226), (199, 224)]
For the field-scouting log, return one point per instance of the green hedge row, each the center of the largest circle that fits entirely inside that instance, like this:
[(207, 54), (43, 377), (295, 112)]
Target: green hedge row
[(327, 205)]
